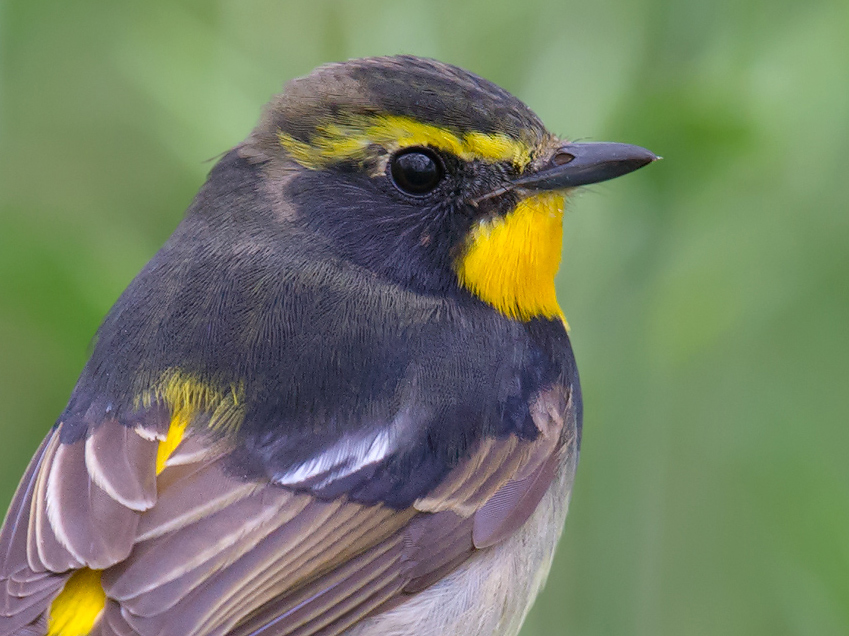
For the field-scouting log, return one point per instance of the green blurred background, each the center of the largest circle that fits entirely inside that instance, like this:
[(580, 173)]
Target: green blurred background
[(708, 294)]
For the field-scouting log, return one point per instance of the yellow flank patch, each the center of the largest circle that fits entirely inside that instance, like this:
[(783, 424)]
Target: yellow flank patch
[(188, 396), (510, 262), (78, 606), (350, 141), (176, 430)]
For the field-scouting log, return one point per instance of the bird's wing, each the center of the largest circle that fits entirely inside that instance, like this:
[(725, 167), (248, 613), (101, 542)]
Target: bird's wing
[(198, 550)]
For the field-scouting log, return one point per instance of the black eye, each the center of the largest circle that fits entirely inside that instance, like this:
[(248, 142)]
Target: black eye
[(416, 171)]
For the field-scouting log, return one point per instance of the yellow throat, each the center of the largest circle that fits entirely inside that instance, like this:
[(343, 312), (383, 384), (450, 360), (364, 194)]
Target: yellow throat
[(510, 262)]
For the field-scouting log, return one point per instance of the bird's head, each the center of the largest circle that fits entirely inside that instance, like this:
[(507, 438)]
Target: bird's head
[(431, 177)]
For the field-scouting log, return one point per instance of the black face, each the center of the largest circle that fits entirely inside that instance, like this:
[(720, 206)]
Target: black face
[(405, 215), (402, 215)]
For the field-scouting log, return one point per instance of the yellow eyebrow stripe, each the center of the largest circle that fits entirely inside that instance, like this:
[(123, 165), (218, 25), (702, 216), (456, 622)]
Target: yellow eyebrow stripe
[(350, 141)]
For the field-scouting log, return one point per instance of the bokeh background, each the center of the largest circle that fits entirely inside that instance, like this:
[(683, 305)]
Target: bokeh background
[(708, 294)]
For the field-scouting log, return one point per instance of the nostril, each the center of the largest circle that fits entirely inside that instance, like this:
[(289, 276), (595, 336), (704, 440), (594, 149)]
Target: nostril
[(562, 158)]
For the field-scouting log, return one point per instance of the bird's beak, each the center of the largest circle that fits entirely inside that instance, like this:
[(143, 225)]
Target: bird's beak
[(579, 164)]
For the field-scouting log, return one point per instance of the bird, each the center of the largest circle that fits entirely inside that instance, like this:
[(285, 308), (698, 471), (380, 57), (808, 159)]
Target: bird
[(341, 399)]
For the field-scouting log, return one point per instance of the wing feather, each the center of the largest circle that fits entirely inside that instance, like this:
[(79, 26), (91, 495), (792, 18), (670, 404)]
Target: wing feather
[(112, 622), (295, 611), (198, 550), (361, 569), (26, 611), (25, 591), (14, 536), (239, 526), (95, 528), (122, 463), (189, 493), (300, 552), (510, 507), (432, 545), (466, 480), (22, 589), (342, 614), (44, 551), (284, 577), (200, 601)]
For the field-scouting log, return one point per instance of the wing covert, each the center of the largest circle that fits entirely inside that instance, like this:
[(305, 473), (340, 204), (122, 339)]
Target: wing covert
[(198, 549)]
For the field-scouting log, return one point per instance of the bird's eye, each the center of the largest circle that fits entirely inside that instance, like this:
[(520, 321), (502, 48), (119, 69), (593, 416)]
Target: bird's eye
[(416, 170)]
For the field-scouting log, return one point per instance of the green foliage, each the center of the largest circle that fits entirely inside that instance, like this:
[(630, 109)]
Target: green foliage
[(708, 294)]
